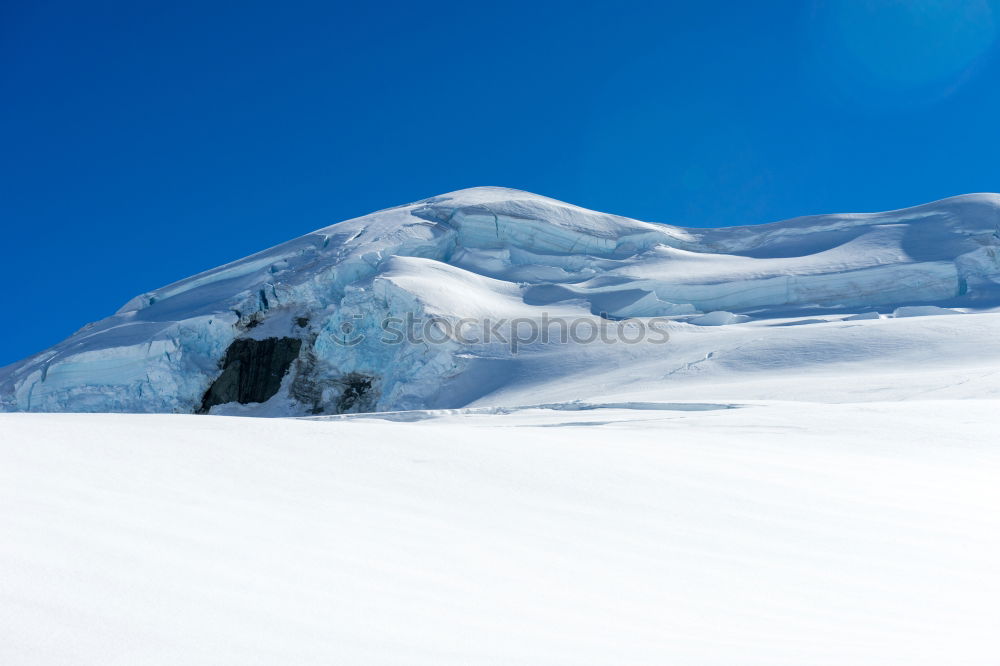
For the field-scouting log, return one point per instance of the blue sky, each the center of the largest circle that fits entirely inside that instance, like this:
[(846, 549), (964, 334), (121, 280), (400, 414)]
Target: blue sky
[(146, 141)]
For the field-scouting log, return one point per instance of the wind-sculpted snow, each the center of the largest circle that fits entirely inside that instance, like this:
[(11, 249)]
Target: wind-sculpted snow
[(457, 264)]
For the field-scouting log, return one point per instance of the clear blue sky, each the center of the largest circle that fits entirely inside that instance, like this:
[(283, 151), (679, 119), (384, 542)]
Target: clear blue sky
[(146, 141)]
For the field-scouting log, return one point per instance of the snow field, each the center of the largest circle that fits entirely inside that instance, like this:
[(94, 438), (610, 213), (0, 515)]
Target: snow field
[(764, 533)]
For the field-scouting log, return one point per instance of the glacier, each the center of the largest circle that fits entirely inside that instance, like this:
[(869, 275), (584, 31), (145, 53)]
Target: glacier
[(752, 311), (798, 448)]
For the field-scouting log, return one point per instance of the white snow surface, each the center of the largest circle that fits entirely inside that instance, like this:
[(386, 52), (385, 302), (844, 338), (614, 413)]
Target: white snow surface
[(804, 473), (744, 304), (770, 533)]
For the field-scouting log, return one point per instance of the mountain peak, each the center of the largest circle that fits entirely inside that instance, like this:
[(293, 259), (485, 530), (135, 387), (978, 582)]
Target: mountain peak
[(472, 252)]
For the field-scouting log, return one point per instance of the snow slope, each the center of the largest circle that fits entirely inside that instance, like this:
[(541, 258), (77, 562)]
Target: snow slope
[(794, 464), (775, 534), (265, 335)]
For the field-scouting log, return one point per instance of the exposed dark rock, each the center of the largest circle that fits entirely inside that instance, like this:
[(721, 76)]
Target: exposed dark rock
[(356, 393), (321, 390), (246, 321), (252, 371), (307, 388), (319, 394)]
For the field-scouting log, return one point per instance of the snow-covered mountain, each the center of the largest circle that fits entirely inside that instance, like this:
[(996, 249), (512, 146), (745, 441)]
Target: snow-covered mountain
[(747, 450), (738, 313)]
